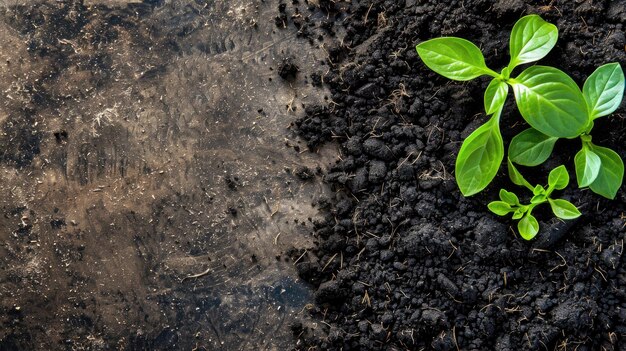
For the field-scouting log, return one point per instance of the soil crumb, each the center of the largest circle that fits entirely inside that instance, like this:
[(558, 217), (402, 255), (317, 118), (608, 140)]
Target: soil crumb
[(288, 70)]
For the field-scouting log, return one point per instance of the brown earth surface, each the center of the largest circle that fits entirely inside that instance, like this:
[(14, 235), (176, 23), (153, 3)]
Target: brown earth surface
[(142, 144)]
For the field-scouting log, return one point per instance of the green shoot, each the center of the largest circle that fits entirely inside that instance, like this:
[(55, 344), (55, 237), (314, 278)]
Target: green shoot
[(509, 203)]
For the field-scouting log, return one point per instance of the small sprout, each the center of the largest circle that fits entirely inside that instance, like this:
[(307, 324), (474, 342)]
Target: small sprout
[(528, 227)]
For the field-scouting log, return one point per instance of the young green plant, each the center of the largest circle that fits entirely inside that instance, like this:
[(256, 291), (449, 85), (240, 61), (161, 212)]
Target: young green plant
[(545, 96), (509, 203), (599, 168)]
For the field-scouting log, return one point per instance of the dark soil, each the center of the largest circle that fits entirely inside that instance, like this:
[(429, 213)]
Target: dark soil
[(403, 260), (288, 69)]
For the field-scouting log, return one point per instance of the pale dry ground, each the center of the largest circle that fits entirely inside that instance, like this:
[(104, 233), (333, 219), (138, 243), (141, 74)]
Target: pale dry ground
[(116, 157)]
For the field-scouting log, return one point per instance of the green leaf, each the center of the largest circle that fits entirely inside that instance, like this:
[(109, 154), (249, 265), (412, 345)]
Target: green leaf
[(480, 157), (587, 166), (509, 197), (516, 177), (500, 208), (611, 173), (558, 178), (531, 147), (564, 209), (604, 89), (539, 190), (454, 58), (551, 102), (519, 213), (506, 73), (495, 95), (528, 227), (532, 38), (538, 199)]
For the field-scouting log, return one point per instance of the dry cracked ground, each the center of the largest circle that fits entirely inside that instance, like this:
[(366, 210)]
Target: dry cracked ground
[(149, 176)]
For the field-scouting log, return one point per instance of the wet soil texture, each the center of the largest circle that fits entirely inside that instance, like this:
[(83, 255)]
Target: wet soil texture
[(150, 185), (404, 262)]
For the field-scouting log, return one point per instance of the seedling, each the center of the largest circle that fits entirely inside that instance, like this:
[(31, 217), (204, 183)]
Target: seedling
[(550, 102), (543, 94), (599, 168), (547, 98), (528, 226)]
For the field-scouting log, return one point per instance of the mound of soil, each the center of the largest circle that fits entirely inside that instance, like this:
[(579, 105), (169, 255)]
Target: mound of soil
[(404, 261)]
